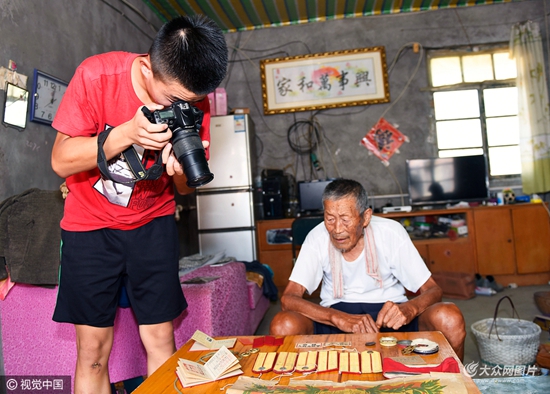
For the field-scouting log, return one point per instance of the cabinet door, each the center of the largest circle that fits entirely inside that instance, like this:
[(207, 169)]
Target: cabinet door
[(267, 234), (532, 238), (452, 256), (494, 241)]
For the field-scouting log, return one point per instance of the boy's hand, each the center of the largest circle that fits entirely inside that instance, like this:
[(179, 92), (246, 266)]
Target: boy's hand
[(148, 135), (173, 167)]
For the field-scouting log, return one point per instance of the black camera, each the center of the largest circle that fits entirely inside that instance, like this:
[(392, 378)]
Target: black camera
[(185, 122)]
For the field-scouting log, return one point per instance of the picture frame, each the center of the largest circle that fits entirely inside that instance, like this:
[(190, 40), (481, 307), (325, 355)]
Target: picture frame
[(325, 80), (16, 105)]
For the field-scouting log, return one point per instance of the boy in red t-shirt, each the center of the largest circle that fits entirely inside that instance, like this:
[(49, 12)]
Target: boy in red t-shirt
[(118, 229)]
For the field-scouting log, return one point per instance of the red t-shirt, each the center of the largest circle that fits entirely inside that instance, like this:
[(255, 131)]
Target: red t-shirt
[(100, 96)]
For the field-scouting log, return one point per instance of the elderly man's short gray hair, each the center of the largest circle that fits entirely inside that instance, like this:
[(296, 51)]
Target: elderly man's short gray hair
[(342, 188)]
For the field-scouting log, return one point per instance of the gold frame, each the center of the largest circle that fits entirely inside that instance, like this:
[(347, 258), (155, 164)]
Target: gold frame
[(371, 80)]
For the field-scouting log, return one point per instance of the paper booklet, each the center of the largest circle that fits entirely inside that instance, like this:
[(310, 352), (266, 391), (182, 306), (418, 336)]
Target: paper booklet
[(223, 364), (205, 342)]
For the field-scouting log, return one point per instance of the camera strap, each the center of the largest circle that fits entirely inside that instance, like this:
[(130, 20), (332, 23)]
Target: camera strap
[(132, 159)]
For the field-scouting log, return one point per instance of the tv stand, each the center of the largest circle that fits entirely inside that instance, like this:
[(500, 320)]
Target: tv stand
[(442, 253), (510, 242)]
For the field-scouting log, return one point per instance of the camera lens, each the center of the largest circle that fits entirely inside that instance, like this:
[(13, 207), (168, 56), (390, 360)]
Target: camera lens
[(190, 153)]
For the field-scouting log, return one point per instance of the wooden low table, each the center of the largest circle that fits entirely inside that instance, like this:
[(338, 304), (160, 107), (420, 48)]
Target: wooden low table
[(164, 379)]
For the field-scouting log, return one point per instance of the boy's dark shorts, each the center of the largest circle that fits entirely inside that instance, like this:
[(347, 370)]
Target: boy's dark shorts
[(361, 309), (95, 264)]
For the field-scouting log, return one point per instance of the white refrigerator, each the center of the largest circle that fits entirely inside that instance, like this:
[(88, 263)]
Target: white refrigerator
[(225, 206)]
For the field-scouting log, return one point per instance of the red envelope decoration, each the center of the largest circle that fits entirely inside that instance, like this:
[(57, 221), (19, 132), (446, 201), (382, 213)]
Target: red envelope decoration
[(268, 341), (383, 140)]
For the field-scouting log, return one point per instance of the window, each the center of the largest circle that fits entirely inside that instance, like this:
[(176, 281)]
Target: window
[(476, 106)]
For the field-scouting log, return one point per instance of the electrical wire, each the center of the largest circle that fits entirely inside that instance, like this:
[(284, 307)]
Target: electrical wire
[(409, 81), (463, 28), (140, 14), (413, 75), (309, 144), (390, 69), (323, 139), (314, 138), (398, 185), (258, 109), (280, 46), (261, 145), (231, 61), (248, 59), (303, 142), (128, 19), (310, 136)]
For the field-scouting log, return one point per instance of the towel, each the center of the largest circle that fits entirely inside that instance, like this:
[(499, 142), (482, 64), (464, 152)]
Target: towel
[(371, 263)]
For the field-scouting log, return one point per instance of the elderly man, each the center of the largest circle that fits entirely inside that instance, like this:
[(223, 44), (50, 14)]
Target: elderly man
[(365, 264)]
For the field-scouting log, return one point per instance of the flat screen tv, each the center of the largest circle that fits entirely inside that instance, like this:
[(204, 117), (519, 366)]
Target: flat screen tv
[(447, 180)]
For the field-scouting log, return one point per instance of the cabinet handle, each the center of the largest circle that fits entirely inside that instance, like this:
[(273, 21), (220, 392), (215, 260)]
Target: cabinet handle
[(509, 241)]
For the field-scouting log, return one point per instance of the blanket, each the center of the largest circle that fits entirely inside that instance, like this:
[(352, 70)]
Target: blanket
[(30, 236)]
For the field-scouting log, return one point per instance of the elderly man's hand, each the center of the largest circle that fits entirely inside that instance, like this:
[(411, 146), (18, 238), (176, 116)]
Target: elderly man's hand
[(394, 315), (354, 323)]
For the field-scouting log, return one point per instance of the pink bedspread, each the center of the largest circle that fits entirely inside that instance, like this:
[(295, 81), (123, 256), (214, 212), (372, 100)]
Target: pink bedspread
[(226, 298), (33, 344)]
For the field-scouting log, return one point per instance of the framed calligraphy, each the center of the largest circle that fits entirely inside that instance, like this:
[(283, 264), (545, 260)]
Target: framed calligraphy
[(325, 80)]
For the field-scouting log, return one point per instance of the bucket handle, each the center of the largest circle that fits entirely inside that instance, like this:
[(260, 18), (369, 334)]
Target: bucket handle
[(494, 323)]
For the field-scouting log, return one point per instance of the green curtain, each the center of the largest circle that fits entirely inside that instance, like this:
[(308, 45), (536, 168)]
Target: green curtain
[(534, 114)]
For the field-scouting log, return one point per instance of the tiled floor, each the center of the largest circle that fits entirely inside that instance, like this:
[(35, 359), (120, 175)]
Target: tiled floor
[(478, 308)]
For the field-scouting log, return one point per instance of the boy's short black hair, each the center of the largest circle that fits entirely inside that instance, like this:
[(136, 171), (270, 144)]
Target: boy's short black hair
[(191, 51)]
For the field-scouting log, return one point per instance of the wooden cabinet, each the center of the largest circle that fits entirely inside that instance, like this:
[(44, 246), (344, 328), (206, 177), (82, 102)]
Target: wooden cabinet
[(443, 254), (275, 248), (451, 256), (514, 240), (495, 241), (532, 238)]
